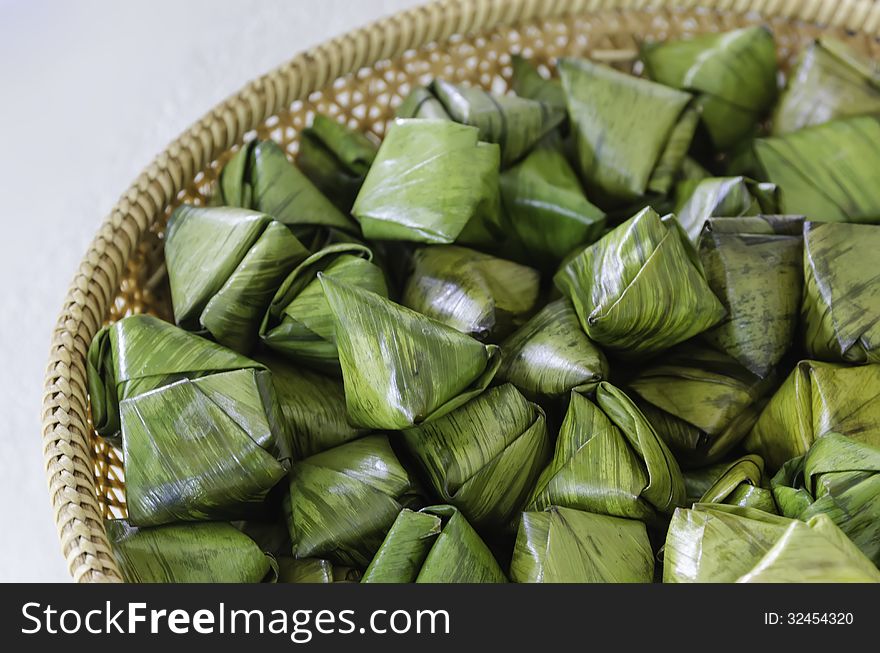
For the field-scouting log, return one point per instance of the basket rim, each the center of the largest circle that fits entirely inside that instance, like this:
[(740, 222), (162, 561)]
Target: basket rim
[(66, 437)]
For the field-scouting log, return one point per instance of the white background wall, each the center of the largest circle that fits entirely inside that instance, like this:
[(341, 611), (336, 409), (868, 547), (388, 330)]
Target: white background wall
[(90, 92)]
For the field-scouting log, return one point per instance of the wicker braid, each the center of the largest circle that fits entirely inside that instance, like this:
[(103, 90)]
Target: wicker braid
[(118, 273)]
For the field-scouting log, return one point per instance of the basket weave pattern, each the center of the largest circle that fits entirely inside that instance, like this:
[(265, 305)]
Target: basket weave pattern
[(359, 78)]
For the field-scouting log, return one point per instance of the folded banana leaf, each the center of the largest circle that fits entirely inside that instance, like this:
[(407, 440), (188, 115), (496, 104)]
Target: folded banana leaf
[(754, 266), (475, 293), (336, 159), (342, 501), (433, 545), (829, 81), (641, 288), (546, 207), (313, 571), (298, 323), (838, 477), (485, 456), (515, 123), (609, 460), (312, 408), (842, 292), (433, 181), (210, 552), (631, 133), (399, 367), (261, 178), (826, 172), (733, 74), (224, 265), (692, 170), (722, 544), (818, 398), (698, 200), (422, 103), (527, 82), (559, 545), (550, 355), (741, 483), (710, 401)]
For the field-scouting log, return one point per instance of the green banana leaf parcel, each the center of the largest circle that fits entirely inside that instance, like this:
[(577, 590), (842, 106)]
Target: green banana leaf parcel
[(741, 483), (527, 82)]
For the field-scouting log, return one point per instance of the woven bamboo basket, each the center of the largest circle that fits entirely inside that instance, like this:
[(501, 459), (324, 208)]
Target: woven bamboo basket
[(359, 78)]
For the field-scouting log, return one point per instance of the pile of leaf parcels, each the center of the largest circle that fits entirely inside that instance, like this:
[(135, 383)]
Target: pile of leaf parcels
[(606, 329)]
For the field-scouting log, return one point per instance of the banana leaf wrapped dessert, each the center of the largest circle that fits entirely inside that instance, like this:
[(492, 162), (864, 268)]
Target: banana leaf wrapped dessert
[(549, 356), (738, 483), (609, 460), (631, 133), (312, 408), (641, 288), (838, 477), (433, 181), (208, 552), (342, 501), (515, 123), (261, 178), (485, 456), (422, 103), (699, 400), (724, 544), (829, 81), (826, 172), (400, 367), (314, 571), (527, 82), (336, 159), (224, 265), (733, 75), (545, 206), (201, 431), (475, 293), (697, 200), (434, 545), (560, 545), (298, 323), (842, 292), (816, 399), (754, 266)]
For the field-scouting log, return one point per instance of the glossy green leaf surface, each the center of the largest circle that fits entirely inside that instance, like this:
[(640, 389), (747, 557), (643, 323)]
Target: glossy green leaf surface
[(721, 197), (527, 82)]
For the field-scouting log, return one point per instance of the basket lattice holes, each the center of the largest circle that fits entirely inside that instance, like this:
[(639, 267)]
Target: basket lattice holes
[(367, 99)]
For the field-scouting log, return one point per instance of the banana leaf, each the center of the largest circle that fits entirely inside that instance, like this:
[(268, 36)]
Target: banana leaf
[(485, 456), (224, 265), (641, 288), (838, 477), (475, 293), (210, 552), (829, 81), (527, 82), (841, 307), (313, 571), (270, 534), (733, 74), (261, 178), (342, 501), (550, 355), (816, 399), (399, 367), (723, 544), (546, 207), (336, 159), (433, 181), (827, 172), (609, 460), (422, 103), (721, 197), (298, 323), (516, 124), (692, 170), (312, 408), (754, 266), (559, 545), (624, 127), (741, 483), (711, 402), (433, 545)]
